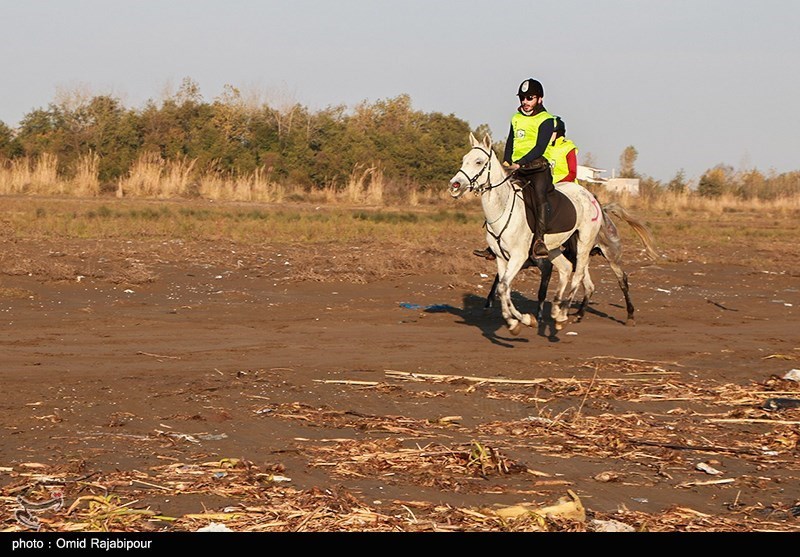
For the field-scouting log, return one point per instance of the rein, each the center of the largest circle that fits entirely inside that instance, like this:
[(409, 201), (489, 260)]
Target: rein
[(488, 186)]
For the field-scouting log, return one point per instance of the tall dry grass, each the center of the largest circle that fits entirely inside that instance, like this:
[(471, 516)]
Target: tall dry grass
[(41, 176), (152, 176), (31, 176), (86, 182), (256, 186), (687, 202)]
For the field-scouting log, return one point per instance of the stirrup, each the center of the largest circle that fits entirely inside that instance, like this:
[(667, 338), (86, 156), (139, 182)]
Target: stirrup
[(539, 249)]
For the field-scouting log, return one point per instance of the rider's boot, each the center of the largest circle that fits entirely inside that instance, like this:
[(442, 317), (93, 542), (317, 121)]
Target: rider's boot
[(485, 253), (539, 249)]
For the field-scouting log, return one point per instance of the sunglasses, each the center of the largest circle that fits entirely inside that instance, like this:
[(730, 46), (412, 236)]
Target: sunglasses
[(528, 98)]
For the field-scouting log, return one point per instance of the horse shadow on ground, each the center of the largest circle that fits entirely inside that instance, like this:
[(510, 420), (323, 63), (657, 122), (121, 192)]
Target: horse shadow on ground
[(604, 315), (491, 323)]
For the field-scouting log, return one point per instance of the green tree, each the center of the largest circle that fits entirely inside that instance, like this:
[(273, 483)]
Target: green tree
[(678, 183), (112, 132), (753, 184), (587, 159), (320, 148), (627, 162), (40, 132), (649, 187), (9, 146), (715, 181)]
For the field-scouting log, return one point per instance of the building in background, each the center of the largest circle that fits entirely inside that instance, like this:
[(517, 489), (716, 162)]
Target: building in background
[(588, 174)]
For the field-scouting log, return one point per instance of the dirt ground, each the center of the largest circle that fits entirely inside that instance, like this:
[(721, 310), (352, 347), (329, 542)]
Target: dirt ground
[(217, 389)]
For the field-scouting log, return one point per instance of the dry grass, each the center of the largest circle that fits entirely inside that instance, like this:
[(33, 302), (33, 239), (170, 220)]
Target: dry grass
[(257, 186), (86, 182), (262, 498), (25, 176), (381, 241), (595, 416), (671, 203), (152, 176)]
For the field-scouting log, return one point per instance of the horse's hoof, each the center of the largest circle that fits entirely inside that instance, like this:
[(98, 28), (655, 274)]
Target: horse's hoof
[(528, 320), (515, 329), (630, 323)]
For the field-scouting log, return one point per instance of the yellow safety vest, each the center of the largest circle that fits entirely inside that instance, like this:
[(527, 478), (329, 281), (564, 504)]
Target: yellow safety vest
[(557, 153), (526, 131)]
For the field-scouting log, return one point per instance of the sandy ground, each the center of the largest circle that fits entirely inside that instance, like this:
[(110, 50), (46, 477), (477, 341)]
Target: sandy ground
[(337, 387)]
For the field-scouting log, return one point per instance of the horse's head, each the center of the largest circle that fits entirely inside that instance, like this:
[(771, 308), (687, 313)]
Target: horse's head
[(475, 167)]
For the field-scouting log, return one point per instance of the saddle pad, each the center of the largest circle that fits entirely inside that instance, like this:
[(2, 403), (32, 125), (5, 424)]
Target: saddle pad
[(562, 216)]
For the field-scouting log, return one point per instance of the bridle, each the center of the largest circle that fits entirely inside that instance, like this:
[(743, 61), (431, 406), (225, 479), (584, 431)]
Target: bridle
[(488, 186)]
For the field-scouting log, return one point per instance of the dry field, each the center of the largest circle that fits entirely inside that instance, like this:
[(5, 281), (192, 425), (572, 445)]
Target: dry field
[(167, 366)]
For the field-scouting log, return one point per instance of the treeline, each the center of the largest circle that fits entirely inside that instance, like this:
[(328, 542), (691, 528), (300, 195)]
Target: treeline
[(721, 180), (231, 135), (724, 181), (236, 148)]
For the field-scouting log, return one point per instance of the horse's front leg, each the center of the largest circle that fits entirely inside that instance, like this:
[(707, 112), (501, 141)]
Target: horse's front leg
[(588, 290), (492, 293), (558, 311), (578, 277), (546, 269), (514, 319)]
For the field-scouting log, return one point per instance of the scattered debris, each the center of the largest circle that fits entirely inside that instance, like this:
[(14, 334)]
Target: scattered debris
[(571, 417), (792, 375), (703, 467), (214, 527), (712, 302), (567, 508), (774, 404), (433, 308), (606, 477), (596, 525)]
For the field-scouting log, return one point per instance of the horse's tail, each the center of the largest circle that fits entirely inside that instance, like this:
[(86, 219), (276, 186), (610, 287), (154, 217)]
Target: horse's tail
[(609, 232)]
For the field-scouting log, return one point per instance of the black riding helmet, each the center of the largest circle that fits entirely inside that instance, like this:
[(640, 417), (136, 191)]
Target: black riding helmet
[(530, 87), (561, 127)]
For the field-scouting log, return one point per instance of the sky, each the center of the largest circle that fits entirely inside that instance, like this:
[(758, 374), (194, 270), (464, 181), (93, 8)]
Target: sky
[(689, 83)]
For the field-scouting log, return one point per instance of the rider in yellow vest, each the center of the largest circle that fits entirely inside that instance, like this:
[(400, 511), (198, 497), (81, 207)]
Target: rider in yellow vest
[(532, 129), (563, 155)]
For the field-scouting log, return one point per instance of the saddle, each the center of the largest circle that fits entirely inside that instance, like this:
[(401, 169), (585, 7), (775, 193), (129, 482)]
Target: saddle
[(562, 217)]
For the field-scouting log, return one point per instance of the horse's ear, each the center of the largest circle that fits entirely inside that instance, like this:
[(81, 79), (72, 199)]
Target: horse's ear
[(487, 141), (473, 141)]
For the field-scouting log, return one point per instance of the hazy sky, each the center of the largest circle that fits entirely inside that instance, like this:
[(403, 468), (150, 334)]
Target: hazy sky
[(689, 83)]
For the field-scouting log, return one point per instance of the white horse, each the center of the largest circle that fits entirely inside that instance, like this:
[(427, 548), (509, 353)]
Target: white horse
[(609, 246), (509, 236)]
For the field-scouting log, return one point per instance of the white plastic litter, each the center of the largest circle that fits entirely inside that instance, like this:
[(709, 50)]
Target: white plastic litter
[(792, 375), (215, 527), (610, 526), (702, 466)]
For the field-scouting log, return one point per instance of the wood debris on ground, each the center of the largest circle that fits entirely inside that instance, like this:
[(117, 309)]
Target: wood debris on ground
[(574, 418)]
